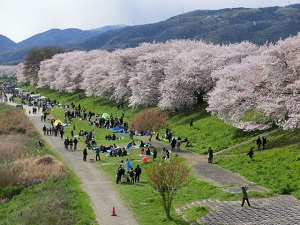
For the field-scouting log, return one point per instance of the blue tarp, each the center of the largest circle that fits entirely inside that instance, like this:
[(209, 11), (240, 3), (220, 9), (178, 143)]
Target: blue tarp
[(119, 129)]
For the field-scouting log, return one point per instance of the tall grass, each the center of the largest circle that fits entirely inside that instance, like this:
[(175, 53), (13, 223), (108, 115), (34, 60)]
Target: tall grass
[(35, 188)]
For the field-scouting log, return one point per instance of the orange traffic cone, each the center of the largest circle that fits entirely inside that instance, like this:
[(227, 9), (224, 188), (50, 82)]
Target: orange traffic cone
[(113, 212)]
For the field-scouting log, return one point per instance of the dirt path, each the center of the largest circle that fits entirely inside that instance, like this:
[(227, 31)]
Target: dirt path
[(94, 182)]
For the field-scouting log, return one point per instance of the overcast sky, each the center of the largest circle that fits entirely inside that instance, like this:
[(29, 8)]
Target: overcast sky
[(21, 19)]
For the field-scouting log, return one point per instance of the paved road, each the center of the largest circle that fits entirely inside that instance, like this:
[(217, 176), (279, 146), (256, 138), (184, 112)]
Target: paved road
[(94, 182)]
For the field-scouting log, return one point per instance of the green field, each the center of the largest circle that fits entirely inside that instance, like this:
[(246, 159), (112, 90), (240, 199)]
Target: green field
[(275, 168)]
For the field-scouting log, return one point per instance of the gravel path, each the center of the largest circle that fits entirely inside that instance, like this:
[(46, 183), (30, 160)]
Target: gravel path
[(94, 182)]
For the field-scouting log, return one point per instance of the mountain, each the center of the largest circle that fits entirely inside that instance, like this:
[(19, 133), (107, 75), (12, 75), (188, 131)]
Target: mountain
[(257, 25), (7, 45), (13, 53), (64, 37), (217, 26)]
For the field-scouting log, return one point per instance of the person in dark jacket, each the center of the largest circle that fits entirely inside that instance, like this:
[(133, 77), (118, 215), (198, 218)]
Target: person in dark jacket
[(84, 154), (120, 173), (258, 143), (250, 154), (245, 196), (138, 172)]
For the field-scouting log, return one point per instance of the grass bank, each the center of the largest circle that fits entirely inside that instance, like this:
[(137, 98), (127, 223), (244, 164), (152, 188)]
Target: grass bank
[(35, 188)]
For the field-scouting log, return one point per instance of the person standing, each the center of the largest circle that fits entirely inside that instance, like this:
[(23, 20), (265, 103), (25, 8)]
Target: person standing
[(167, 132), (98, 153), (84, 154), (191, 123), (210, 155), (120, 173), (44, 129), (71, 143), (66, 142), (173, 144), (178, 143), (264, 142), (154, 154), (245, 196), (75, 144), (138, 172), (258, 143), (167, 158), (164, 153), (128, 165), (250, 154), (132, 175)]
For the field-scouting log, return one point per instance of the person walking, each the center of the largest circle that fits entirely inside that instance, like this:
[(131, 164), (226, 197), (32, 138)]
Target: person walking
[(250, 154), (210, 155), (258, 143), (138, 172), (245, 196), (66, 142), (84, 154)]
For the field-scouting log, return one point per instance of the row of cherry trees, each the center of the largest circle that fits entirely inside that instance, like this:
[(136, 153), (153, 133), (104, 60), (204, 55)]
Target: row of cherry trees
[(8, 71), (248, 86)]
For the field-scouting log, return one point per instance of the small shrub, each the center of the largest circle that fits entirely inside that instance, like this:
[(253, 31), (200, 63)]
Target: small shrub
[(33, 171), (286, 190)]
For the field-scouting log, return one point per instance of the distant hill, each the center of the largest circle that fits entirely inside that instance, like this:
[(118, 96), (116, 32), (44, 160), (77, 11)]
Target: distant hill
[(217, 26), (7, 45), (258, 26), (13, 53)]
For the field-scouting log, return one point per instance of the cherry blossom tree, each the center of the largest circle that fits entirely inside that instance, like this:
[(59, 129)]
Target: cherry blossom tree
[(97, 75), (150, 72), (280, 90), (48, 71), (234, 94), (8, 71), (262, 90)]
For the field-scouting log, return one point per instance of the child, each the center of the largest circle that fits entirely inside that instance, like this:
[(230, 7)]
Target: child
[(131, 174)]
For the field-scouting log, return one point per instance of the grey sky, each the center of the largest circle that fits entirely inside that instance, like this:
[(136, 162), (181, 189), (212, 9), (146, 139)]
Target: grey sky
[(21, 19)]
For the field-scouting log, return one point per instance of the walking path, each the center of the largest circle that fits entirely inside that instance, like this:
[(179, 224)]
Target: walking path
[(94, 182)]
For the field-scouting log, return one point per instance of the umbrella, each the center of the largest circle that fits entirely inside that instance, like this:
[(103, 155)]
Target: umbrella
[(56, 122), (105, 116)]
